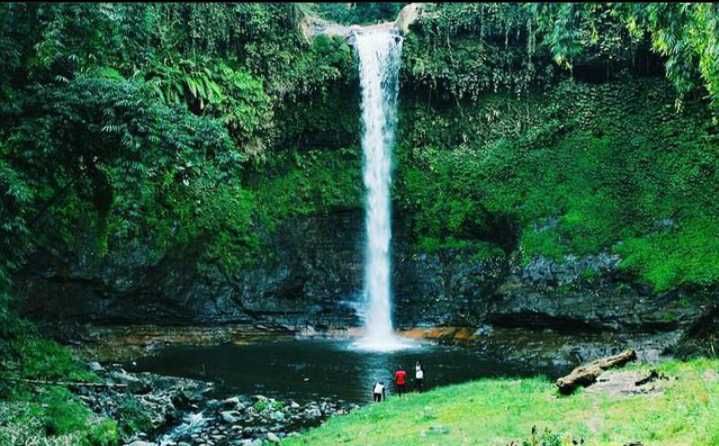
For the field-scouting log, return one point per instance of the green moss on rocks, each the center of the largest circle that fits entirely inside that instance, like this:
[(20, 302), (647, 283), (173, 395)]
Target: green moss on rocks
[(577, 170)]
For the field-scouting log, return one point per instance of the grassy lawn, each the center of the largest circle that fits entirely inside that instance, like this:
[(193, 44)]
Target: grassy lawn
[(499, 411)]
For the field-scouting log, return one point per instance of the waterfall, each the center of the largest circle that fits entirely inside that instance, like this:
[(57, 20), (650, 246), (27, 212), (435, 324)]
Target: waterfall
[(379, 53)]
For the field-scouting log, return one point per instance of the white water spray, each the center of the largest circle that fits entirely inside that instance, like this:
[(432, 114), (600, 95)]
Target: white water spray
[(191, 424), (379, 53)]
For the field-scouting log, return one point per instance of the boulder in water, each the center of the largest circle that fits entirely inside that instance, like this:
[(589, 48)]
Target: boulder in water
[(230, 416), (313, 412), (134, 384), (95, 366), (231, 402)]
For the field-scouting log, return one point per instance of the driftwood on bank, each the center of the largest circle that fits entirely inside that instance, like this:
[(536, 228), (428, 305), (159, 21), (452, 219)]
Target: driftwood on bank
[(588, 373), (64, 383)]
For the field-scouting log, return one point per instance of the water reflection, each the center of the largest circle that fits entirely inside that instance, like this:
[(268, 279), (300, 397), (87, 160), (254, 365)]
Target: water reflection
[(311, 369), (373, 368)]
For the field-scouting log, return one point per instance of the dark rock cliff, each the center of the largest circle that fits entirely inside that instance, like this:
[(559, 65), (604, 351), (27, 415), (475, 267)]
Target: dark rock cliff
[(314, 278)]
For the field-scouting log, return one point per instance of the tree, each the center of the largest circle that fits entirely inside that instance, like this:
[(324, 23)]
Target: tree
[(106, 139)]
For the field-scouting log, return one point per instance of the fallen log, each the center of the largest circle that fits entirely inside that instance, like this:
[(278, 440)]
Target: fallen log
[(587, 374), (64, 383)]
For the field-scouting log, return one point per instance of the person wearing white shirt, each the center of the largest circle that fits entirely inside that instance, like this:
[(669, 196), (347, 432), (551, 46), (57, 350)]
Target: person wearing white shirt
[(379, 392), (419, 377)]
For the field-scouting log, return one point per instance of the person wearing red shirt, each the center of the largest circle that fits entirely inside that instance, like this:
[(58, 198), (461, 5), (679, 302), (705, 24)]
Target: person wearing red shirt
[(400, 380)]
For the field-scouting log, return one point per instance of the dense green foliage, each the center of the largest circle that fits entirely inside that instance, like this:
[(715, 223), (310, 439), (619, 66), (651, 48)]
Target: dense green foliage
[(357, 13), (200, 127), (36, 411), (688, 35), (54, 418), (312, 183), (469, 48), (580, 169), (197, 130), (612, 160), (138, 121)]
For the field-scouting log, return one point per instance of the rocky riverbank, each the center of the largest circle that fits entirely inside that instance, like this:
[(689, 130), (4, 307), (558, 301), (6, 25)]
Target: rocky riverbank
[(251, 420), (161, 410), (122, 343)]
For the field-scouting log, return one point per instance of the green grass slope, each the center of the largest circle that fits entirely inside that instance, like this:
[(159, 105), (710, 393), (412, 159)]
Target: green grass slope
[(502, 411)]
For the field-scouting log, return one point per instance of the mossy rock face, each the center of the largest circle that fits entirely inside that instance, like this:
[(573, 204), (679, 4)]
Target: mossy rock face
[(573, 171)]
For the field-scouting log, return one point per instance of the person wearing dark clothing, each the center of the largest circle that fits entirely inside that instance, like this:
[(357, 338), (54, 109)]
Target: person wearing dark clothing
[(400, 380)]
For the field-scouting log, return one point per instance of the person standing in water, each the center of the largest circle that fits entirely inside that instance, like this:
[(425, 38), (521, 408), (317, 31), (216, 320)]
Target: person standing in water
[(378, 392), (418, 377), (400, 380)]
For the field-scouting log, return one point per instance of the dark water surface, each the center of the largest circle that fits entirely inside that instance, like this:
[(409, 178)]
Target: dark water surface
[(311, 369)]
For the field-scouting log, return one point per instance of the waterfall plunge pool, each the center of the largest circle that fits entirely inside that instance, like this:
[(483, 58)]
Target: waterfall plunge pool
[(309, 369)]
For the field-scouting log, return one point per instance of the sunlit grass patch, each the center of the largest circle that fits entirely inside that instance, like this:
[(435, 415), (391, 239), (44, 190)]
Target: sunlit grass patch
[(499, 411)]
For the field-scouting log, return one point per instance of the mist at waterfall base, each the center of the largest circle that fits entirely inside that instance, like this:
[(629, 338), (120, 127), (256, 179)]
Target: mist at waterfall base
[(379, 52)]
